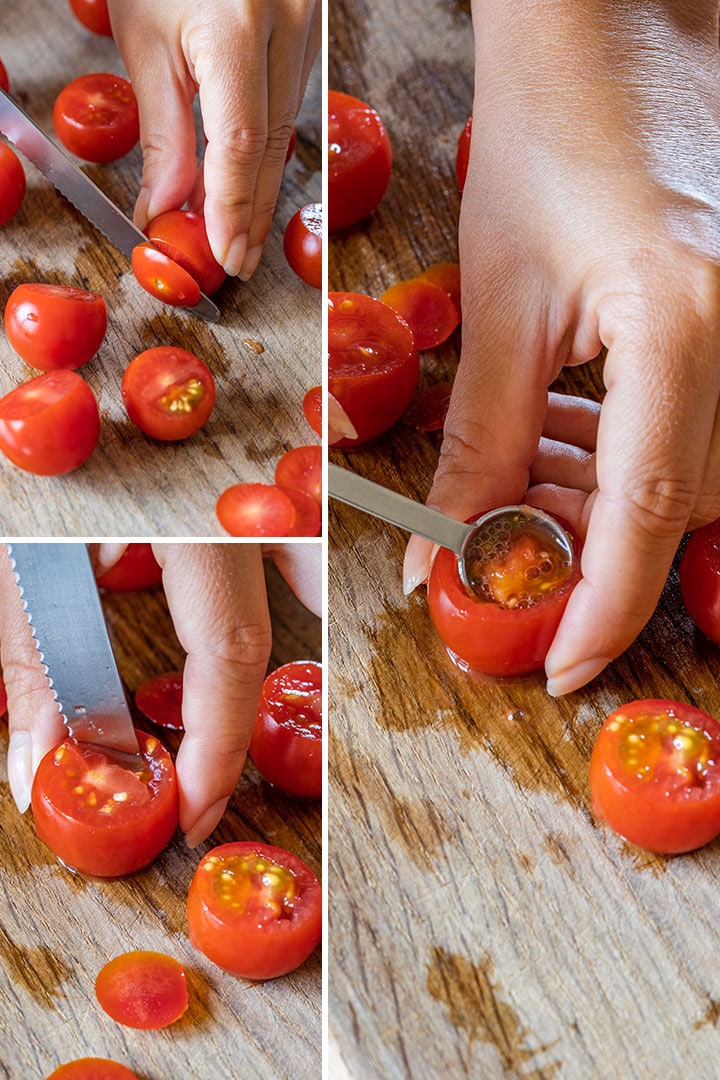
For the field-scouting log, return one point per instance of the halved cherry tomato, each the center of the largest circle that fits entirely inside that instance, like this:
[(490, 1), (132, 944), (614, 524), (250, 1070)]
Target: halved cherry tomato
[(3, 698), (301, 470), (699, 574), (428, 409), (655, 775), (463, 153), (55, 326), (308, 513), (4, 80), (254, 910), (160, 700), (96, 117), (256, 510), (426, 308), (168, 393), (94, 15), (163, 278), (523, 581), (302, 244), (12, 183), (447, 276), (373, 365), (286, 743), (137, 568), (93, 1069), (182, 236), (313, 408), (50, 424), (143, 989), (98, 817), (359, 160)]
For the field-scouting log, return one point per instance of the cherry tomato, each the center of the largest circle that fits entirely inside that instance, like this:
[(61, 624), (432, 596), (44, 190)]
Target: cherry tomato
[(55, 326), (3, 698), (96, 117), (301, 469), (699, 574), (373, 365), (49, 424), (4, 80), (286, 743), (291, 145), (163, 278), (302, 243), (181, 235), (463, 153), (98, 817), (168, 393), (522, 583), (256, 510), (428, 409), (143, 989), (137, 568), (160, 700), (447, 276), (312, 408), (655, 775), (92, 1069), (359, 160), (94, 15), (12, 183), (254, 910), (426, 308), (308, 513)]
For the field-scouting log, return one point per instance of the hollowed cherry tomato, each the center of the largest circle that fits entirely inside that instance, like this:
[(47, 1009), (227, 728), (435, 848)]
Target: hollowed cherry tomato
[(143, 989), (286, 744), (655, 775), (302, 244), (373, 365), (163, 278), (447, 276), (254, 910), (428, 409), (359, 160), (4, 80), (256, 510), (506, 624), (50, 424), (98, 817), (462, 158), (137, 568), (94, 15), (12, 183), (301, 469), (308, 513), (313, 408), (160, 700), (426, 308), (55, 326), (182, 236), (699, 574), (96, 117), (168, 393), (93, 1069)]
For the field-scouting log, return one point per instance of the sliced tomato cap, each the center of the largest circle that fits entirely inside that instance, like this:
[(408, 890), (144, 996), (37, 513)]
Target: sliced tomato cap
[(164, 278), (143, 989), (426, 308), (256, 510)]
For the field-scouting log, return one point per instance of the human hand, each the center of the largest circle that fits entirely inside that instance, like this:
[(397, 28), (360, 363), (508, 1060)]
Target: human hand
[(591, 218), (217, 599), (249, 63)]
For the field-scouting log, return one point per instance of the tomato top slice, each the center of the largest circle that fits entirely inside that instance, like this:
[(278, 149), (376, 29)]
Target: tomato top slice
[(428, 409), (182, 236), (143, 989), (160, 700), (427, 309), (163, 277), (301, 469), (256, 510), (92, 1069)]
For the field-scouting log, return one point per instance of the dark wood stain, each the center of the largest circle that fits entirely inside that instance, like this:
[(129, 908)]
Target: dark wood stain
[(38, 970)]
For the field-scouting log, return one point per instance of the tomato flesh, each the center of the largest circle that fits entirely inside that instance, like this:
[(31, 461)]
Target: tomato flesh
[(93, 1069), (137, 568), (655, 775), (302, 244), (254, 909), (12, 183), (55, 326), (426, 308), (181, 236), (163, 278), (50, 424), (286, 744), (169, 393), (160, 700), (699, 574), (143, 989), (447, 276), (256, 510), (96, 117), (359, 160)]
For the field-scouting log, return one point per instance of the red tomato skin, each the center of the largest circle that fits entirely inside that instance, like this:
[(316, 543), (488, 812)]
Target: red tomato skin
[(143, 990), (312, 407), (274, 513), (485, 637), (169, 393), (12, 183), (308, 513), (96, 117), (360, 160), (699, 574), (55, 326), (3, 698), (92, 1069), (373, 396), (286, 744), (50, 424), (137, 568), (240, 945), (302, 244), (182, 236), (163, 278), (100, 846), (462, 159), (93, 14), (646, 815), (160, 700), (4, 80), (301, 469)]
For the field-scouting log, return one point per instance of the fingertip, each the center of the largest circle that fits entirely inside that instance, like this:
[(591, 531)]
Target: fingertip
[(566, 680), (419, 556), (208, 821)]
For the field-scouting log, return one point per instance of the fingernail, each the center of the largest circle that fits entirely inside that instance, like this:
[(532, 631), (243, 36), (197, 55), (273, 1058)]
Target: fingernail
[(205, 824), (572, 678), (419, 556), (250, 264), (20, 768), (235, 256), (140, 213)]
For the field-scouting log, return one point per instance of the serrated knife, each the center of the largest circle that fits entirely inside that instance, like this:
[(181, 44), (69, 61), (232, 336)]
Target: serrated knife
[(61, 598), (72, 182)]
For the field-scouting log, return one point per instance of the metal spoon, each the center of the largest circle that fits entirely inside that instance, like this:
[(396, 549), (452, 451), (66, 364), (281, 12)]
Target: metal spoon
[(467, 541)]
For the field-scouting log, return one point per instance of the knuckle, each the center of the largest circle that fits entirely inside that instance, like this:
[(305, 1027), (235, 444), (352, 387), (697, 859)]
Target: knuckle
[(245, 647), (660, 508)]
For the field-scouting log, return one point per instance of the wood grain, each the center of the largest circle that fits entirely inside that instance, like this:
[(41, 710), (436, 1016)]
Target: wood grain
[(57, 929), (483, 922), (133, 486)]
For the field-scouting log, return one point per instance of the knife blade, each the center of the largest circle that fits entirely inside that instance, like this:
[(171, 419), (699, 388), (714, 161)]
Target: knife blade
[(61, 600), (79, 189)]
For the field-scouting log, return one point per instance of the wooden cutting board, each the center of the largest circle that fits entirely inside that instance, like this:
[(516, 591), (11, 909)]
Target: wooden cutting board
[(483, 922), (133, 485), (57, 930)]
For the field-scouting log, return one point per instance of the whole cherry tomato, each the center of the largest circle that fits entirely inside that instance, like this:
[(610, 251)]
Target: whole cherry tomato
[(168, 393), (137, 568), (286, 744), (699, 574), (94, 15), (163, 278), (182, 236), (302, 243), (96, 117), (55, 326), (12, 183), (50, 424), (359, 160)]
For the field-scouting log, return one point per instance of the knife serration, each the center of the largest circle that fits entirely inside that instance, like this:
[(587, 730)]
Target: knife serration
[(79, 189)]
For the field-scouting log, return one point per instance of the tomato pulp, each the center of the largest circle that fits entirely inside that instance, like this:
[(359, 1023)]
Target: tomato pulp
[(99, 818), (254, 909), (55, 326), (181, 236), (143, 989), (168, 393), (359, 160), (50, 424), (137, 568), (12, 183), (286, 743), (655, 775), (96, 117), (699, 574), (302, 244), (373, 364), (522, 582)]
